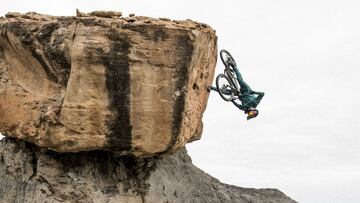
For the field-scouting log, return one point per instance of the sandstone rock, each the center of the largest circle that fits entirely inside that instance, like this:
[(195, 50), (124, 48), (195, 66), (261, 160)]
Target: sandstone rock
[(88, 83), (80, 14), (165, 19), (13, 14), (106, 14), (29, 15), (101, 14), (31, 174)]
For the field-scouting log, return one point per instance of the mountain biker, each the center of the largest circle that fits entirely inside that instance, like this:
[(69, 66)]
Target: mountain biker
[(249, 98)]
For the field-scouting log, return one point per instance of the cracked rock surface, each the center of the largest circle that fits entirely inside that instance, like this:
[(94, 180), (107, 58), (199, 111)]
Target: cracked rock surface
[(99, 81), (32, 174)]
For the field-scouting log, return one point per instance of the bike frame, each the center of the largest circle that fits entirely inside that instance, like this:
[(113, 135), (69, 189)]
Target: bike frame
[(232, 80), (230, 76)]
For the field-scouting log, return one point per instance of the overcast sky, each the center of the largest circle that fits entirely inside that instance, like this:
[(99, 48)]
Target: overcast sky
[(305, 56)]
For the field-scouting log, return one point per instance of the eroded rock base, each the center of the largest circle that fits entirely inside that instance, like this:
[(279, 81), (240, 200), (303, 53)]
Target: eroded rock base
[(32, 174)]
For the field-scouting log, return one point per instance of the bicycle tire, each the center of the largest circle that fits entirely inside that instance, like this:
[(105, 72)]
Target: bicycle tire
[(221, 87), (229, 56)]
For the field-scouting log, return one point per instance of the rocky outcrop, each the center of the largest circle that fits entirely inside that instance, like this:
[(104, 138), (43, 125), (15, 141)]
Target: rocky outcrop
[(120, 94), (31, 174), (98, 81)]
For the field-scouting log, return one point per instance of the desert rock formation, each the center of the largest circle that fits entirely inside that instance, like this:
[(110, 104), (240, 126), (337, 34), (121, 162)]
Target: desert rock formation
[(98, 81), (31, 174)]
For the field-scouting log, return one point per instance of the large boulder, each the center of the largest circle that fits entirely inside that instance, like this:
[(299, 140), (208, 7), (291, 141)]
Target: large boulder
[(134, 85)]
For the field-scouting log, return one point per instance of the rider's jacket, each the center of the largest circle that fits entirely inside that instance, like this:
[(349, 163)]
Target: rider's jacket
[(249, 98)]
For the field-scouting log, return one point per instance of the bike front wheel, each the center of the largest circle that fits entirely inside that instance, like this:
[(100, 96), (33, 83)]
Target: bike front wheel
[(224, 87), (226, 58)]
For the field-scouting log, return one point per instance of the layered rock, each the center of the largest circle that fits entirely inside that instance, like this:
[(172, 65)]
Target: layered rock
[(31, 174), (133, 85)]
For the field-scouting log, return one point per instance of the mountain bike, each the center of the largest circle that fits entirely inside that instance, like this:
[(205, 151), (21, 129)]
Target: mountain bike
[(227, 83)]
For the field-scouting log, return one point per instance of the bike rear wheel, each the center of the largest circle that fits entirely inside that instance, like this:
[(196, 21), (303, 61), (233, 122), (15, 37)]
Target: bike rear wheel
[(226, 58), (224, 87)]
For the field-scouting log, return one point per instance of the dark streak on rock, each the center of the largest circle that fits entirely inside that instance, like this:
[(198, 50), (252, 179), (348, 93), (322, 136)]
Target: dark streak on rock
[(19, 30), (34, 162), (1, 53), (58, 67), (50, 75), (118, 85), (44, 34), (185, 48), (54, 52), (58, 60)]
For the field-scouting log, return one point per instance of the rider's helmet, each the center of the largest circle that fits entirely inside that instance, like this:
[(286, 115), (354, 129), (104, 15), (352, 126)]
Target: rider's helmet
[(252, 113)]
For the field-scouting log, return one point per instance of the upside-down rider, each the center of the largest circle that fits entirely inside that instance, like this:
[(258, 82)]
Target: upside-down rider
[(249, 99)]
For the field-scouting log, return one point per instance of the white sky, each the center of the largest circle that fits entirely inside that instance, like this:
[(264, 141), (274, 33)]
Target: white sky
[(305, 56)]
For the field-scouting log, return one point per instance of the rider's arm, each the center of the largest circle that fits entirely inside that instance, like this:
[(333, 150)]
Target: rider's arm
[(227, 92)]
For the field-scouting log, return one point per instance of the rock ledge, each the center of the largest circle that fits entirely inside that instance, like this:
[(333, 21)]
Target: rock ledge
[(135, 85)]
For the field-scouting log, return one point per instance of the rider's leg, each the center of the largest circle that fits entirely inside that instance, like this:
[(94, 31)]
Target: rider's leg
[(213, 88), (243, 86), (238, 75), (224, 91), (209, 88)]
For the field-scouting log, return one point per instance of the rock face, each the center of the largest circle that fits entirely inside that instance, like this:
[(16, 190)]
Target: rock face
[(133, 85), (31, 174)]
